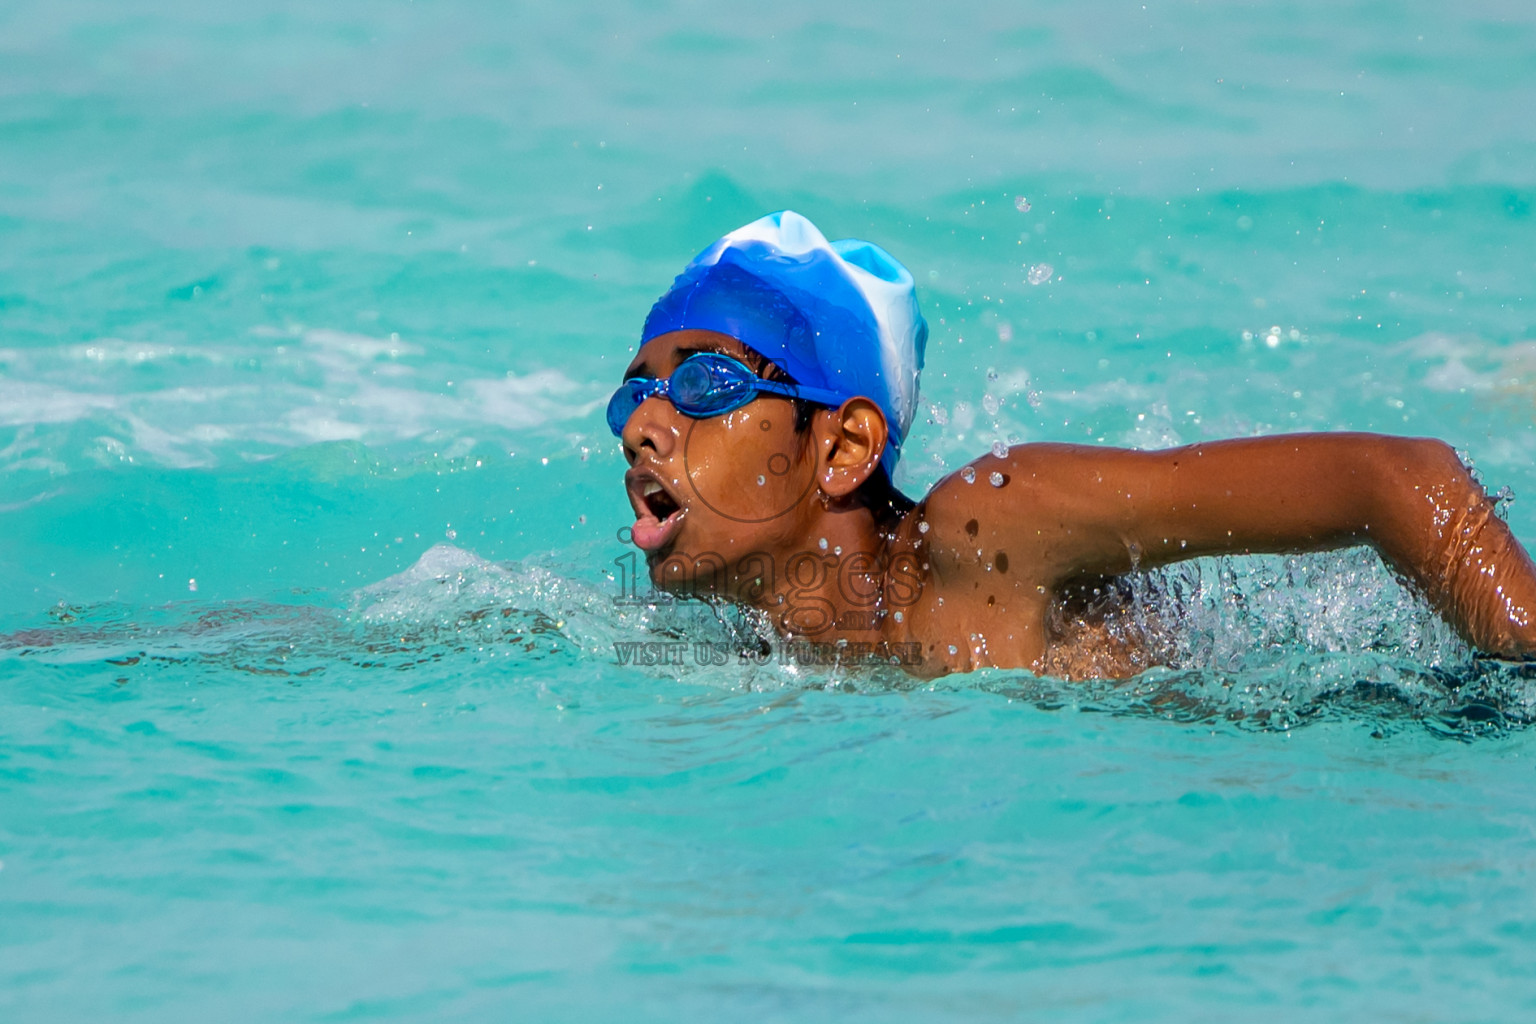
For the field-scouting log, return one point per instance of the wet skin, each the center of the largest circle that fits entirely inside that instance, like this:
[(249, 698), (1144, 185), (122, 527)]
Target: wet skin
[(739, 506)]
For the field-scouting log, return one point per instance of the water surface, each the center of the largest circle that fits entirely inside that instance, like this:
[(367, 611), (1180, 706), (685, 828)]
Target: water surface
[(309, 705)]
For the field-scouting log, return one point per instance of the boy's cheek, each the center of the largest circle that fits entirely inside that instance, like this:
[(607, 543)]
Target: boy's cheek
[(750, 482)]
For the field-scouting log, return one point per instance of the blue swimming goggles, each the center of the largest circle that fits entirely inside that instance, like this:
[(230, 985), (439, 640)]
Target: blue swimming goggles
[(707, 384)]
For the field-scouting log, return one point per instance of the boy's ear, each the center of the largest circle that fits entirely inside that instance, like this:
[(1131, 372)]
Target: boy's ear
[(850, 439)]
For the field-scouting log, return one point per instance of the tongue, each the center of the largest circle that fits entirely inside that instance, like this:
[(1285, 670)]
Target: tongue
[(650, 533)]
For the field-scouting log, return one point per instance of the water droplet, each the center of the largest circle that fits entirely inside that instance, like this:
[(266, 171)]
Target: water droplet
[(968, 475), (996, 479), (822, 543), (838, 550), (991, 404), (900, 617), (953, 649), (922, 527), (1041, 273), (761, 479), (999, 449), (1021, 204)]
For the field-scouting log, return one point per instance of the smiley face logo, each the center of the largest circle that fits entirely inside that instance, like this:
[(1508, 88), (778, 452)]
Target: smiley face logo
[(750, 480)]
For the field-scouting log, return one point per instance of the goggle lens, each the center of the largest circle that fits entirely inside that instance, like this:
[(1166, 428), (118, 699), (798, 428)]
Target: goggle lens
[(624, 403), (707, 384), (690, 385)]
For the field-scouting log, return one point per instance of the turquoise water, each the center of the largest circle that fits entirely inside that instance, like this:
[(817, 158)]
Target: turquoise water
[(309, 705)]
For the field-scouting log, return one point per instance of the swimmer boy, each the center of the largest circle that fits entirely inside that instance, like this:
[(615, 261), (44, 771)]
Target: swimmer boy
[(776, 382)]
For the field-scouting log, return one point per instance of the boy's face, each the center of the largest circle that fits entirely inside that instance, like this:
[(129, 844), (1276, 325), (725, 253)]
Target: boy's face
[(710, 492)]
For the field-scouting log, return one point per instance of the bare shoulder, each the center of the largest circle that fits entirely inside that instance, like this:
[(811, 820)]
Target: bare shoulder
[(1019, 505), (1050, 478)]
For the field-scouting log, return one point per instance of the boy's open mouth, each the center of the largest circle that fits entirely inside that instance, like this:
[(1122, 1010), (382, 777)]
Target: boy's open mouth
[(657, 513)]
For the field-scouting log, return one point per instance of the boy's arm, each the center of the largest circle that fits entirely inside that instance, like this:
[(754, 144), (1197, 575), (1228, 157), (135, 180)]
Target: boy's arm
[(1076, 510)]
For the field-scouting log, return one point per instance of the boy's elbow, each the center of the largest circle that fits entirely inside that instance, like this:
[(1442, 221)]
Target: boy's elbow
[(1418, 463), (1436, 456), (1420, 485)]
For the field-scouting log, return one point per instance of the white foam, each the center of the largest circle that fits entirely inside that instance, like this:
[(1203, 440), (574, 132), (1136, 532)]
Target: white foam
[(25, 402), (359, 346), (318, 384)]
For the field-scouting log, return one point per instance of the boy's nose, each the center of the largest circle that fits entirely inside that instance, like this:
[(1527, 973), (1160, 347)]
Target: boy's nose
[(652, 428)]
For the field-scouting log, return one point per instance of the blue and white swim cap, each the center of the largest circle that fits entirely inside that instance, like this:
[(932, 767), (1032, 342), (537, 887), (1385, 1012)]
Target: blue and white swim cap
[(835, 315)]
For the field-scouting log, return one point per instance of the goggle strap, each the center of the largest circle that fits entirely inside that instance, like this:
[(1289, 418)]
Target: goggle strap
[(821, 396)]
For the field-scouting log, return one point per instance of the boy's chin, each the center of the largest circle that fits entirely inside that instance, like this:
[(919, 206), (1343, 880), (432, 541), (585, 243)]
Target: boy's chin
[(680, 574), (670, 571)]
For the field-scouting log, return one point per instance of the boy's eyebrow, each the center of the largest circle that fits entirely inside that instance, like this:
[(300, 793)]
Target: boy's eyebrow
[(638, 370), (643, 368)]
